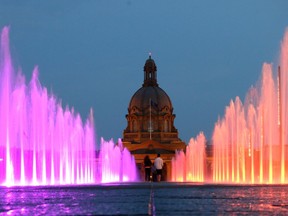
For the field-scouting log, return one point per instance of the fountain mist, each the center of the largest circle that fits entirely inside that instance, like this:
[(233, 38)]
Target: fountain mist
[(192, 165), (250, 141), (42, 144)]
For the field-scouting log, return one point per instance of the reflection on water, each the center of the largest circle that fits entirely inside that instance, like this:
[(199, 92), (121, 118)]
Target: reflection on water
[(73, 200), (133, 199), (222, 199)]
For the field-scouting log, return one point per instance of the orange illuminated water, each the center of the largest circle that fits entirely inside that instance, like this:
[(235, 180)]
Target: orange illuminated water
[(190, 166), (250, 143)]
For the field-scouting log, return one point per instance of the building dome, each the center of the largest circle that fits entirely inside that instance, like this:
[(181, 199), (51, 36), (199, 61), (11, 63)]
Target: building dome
[(150, 112), (150, 95)]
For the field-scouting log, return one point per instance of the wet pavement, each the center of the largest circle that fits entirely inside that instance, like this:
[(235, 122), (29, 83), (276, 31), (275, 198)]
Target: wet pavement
[(145, 198)]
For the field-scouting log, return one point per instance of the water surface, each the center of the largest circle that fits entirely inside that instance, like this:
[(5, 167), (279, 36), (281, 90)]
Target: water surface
[(134, 199)]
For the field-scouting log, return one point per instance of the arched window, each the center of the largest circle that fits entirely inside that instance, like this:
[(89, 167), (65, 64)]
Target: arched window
[(134, 126), (165, 125)]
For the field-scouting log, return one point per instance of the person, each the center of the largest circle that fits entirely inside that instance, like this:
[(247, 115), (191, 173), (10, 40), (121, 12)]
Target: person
[(147, 165), (158, 163)]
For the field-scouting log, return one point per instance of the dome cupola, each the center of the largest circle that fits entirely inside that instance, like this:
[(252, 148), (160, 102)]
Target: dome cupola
[(150, 73), (150, 93)]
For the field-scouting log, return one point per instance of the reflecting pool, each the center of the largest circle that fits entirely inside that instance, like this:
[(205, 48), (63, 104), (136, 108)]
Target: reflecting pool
[(135, 199)]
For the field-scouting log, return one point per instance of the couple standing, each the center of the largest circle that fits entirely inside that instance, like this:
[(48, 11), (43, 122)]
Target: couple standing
[(158, 165)]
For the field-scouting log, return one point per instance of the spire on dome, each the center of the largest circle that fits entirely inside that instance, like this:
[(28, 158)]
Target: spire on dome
[(150, 72)]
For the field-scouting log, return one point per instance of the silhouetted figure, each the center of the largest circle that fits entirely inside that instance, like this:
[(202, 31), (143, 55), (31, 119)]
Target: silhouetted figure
[(147, 165), (158, 163)]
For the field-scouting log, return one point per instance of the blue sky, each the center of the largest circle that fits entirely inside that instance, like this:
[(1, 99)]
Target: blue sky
[(91, 53)]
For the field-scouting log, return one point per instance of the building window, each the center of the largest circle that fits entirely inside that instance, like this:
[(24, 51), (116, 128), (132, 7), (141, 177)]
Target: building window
[(165, 126), (134, 126)]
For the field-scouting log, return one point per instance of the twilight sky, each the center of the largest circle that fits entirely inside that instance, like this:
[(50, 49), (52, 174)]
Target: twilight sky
[(91, 53)]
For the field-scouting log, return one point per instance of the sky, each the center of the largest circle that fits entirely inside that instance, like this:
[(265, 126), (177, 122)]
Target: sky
[(91, 53)]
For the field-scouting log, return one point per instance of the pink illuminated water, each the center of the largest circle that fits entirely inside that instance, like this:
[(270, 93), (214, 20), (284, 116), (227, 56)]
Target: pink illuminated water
[(116, 163), (43, 144), (192, 165), (251, 140)]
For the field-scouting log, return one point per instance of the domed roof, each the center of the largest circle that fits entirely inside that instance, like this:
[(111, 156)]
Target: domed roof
[(150, 94)]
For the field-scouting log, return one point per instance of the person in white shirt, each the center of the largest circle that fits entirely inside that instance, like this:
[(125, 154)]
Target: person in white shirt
[(158, 163)]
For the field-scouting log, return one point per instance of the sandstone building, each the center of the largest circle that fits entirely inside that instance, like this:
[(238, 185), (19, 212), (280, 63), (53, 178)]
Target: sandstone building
[(150, 122)]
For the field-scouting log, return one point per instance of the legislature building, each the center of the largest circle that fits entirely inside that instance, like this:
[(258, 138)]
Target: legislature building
[(150, 122)]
